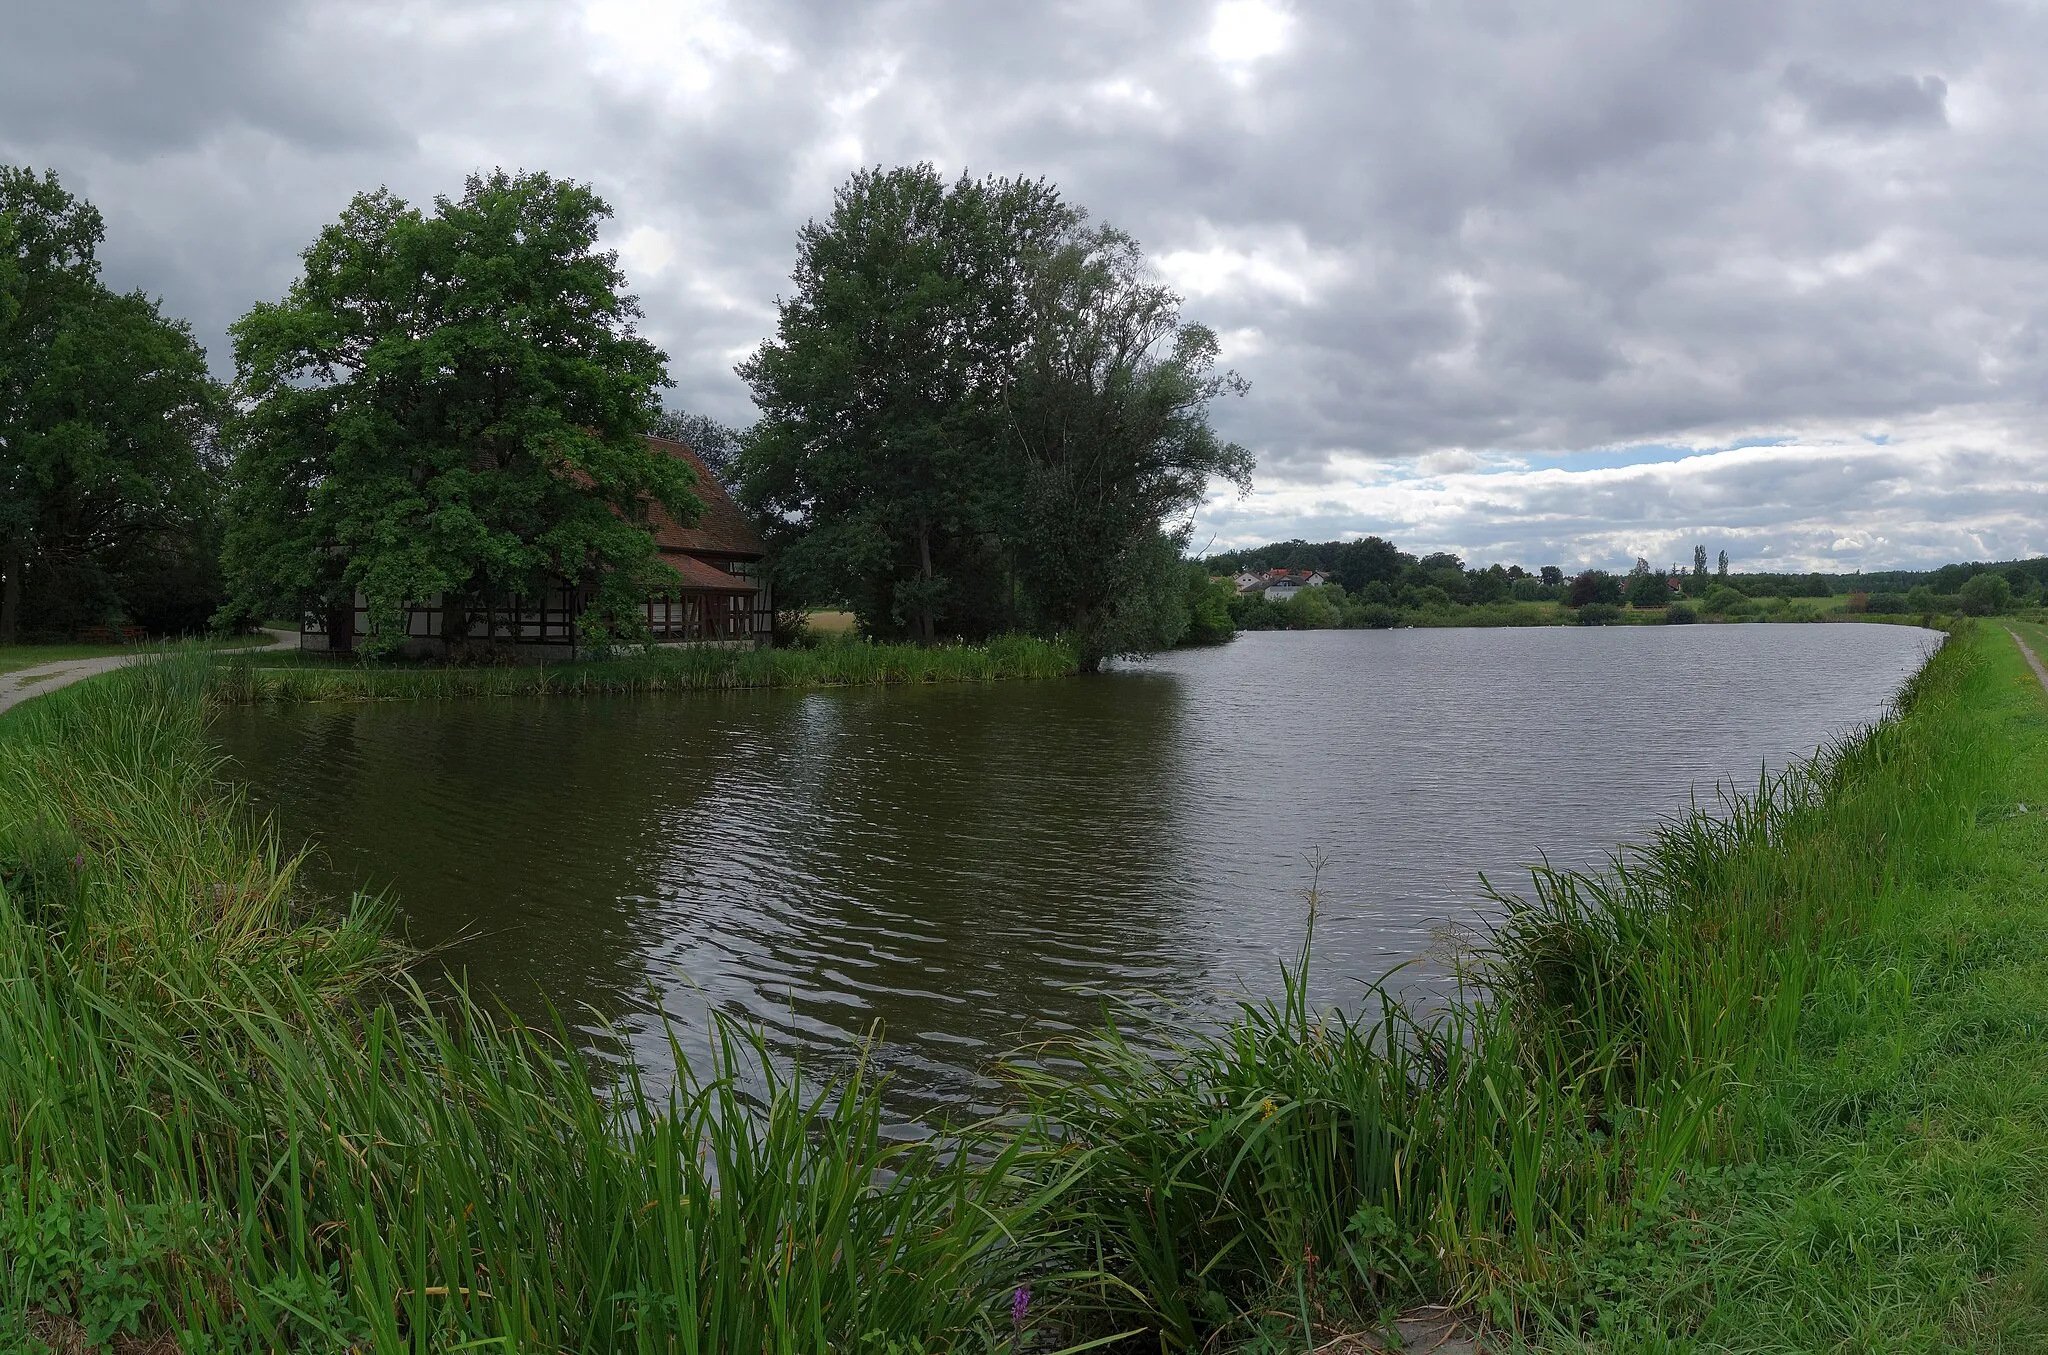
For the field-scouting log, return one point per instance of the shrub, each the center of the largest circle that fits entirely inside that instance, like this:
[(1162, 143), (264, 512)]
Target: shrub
[(1986, 594), (1680, 615), (1594, 585), (1599, 614), (1648, 589), (1209, 621), (1310, 609), (1886, 604), (1726, 602)]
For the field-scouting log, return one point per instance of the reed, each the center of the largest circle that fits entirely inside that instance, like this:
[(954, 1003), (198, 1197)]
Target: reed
[(228, 1119), (293, 678)]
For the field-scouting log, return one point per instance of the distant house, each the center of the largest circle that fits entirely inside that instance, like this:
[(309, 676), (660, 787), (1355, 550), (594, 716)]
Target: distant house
[(723, 597), (1246, 580), (1278, 585)]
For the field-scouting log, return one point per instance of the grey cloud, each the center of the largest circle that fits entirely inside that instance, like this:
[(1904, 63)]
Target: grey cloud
[(1510, 227), (135, 80), (1877, 102)]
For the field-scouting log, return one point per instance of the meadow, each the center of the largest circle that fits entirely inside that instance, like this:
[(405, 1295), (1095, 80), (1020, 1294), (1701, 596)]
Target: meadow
[(1773, 1080)]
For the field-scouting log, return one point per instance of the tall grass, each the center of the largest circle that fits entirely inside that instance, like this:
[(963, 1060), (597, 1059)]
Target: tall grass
[(259, 677), (204, 1137), (223, 1119)]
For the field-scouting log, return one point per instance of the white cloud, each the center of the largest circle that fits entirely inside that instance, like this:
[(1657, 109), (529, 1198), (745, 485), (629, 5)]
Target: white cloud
[(1937, 491), (677, 49), (1243, 33), (1268, 266)]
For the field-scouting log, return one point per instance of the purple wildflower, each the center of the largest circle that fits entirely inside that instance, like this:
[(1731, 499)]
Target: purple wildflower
[(1020, 1305), (79, 860)]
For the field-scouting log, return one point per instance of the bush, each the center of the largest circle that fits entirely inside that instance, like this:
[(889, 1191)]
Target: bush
[(1599, 614), (1986, 594), (1886, 604), (1594, 585), (1680, 615), (1648, 589), (1311, 609), (1927, 601), (1209, 621), (1726, 602), (1432, 599)]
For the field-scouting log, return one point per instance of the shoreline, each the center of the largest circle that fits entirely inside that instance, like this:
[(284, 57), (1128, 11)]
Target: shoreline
[(841, 664), (1316, 1170)]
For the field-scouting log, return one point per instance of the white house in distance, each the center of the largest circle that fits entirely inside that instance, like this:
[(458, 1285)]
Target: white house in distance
[(1279, 584)]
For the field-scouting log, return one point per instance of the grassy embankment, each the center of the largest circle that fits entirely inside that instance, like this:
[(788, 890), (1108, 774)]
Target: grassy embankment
[(1775, 1081), (844, 663), (14, 658)]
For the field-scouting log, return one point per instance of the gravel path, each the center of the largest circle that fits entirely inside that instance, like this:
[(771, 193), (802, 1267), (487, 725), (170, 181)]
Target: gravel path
[(19, 686), (2032, 658)]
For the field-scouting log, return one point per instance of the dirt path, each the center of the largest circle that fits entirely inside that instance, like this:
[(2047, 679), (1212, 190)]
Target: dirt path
[(20, 685), (2032, 658)]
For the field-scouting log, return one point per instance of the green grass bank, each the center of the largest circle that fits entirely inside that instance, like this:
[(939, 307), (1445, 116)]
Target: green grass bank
[(834, 663), (1777, 1080)]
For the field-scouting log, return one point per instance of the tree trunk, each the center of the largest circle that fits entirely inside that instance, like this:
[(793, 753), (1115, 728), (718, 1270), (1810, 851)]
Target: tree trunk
[(10, 592), (1091, 662), (927, 631), (454, 624)]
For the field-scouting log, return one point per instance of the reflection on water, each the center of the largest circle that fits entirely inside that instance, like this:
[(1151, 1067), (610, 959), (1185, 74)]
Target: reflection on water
[(970, 865)]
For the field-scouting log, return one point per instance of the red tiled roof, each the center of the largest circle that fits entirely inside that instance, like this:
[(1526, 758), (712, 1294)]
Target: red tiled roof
[(722, 530), (703, 577)]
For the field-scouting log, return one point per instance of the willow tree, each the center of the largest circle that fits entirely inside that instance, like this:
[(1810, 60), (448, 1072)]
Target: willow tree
[(451, 403), (1108, 421)]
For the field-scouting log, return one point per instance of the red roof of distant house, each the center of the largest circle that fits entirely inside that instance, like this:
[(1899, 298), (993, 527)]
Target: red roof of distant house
[(721, 530)]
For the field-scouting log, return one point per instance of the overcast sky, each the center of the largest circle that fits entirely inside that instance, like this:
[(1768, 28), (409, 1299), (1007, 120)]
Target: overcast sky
[(1549, 283)]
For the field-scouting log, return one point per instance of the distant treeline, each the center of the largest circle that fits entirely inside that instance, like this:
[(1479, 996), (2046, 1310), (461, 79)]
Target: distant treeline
[(1356, 563)]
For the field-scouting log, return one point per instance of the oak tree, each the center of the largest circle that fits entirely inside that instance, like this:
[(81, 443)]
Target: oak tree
[(452, 402)]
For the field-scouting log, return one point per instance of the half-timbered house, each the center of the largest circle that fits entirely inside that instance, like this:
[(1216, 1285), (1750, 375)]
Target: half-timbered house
[(722, 597)]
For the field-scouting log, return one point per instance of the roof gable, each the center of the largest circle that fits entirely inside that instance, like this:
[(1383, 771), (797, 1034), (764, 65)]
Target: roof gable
[(722, 529)]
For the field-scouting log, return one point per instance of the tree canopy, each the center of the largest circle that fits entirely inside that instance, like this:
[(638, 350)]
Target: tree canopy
[(107, 491), (451, 403), (977, 412)]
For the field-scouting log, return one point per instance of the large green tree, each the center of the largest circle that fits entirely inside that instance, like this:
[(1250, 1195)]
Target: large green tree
[(874, 461), (451, 403), (106, 420), (979, 412)]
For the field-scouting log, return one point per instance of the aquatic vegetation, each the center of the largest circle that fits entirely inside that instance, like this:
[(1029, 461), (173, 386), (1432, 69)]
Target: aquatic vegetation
[(294, 677)]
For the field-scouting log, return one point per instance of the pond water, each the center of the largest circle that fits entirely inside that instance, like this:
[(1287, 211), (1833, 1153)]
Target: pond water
[(973, 866)]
